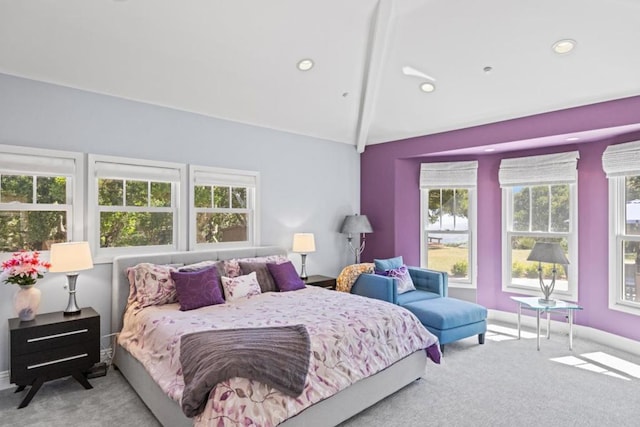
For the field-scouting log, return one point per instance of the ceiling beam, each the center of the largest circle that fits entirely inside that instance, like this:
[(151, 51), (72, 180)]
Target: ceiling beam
[(376, 50)]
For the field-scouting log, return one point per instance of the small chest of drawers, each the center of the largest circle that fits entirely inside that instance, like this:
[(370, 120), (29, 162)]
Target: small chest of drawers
[(53, 346), (321, 281)]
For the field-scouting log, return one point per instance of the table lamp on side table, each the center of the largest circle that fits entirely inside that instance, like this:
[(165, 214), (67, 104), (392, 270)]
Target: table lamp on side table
[(553, 254), (303, 243), (70, 258)]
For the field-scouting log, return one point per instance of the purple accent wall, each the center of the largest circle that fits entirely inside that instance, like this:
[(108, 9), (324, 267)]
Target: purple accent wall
[(390, 197)]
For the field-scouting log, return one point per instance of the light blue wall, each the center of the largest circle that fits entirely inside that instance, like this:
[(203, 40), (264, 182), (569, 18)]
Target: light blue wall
[(306, 184)]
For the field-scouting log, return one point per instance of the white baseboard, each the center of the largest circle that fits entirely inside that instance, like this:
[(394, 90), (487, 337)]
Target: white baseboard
[(579, 331), (4, 380)]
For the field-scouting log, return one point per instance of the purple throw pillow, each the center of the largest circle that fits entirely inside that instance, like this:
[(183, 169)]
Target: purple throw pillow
[(197, 289), (286, 276), (405, 283)]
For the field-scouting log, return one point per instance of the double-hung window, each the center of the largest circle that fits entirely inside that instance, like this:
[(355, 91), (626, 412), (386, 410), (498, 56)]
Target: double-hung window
[(40, 200), (448, 218), (539, 204), (223, 207), (621, 163), (135, 206)]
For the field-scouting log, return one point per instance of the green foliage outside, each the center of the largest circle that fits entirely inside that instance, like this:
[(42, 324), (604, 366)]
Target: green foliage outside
[(213, 227), (459, 269), (32, 230)]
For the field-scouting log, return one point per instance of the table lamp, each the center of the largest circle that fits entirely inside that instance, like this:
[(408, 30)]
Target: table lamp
[(356, 224), (553, 254), (70, 258), (303, 243)]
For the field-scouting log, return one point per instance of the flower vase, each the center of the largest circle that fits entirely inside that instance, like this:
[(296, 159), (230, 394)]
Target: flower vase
[(26, 302)]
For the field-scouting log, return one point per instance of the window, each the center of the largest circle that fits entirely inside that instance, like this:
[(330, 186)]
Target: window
[(39, 198), (448, 200), (621, 164), (539, 203), (135, 206), (223, 205)]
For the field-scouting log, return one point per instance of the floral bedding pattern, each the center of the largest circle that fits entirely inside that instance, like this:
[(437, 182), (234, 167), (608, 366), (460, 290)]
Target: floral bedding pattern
[(351, 338)]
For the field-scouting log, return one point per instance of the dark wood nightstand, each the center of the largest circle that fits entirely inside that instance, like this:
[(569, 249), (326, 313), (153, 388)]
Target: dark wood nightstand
[(322, 281), (53, 346)]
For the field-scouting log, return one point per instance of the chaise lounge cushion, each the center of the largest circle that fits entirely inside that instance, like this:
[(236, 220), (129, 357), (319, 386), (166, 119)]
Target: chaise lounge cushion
[(417, 295), (447, 313)]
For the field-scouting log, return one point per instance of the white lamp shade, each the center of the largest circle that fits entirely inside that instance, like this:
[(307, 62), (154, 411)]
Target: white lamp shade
[(304, 243), (70, 257)]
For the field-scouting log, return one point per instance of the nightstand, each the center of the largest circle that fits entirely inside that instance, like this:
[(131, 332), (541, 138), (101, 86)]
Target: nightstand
[(53, 346), (322, 281)]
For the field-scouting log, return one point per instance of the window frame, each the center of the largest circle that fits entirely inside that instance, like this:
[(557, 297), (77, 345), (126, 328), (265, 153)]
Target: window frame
[(619, 162), (455, 176), (557, 169), (143, 172), (224, 177), (74, 207)]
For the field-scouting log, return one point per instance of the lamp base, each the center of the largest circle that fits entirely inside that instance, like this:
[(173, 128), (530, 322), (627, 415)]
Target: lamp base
[(71, 313), (544, 301)]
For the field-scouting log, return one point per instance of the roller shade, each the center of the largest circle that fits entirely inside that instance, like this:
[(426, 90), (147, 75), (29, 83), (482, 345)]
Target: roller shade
[(560, 168), (136, 172), (33, 164), (230, 179)]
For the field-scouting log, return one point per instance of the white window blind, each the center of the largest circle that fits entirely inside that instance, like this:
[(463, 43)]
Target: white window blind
[(34, 164), (622, 159), (223, 178), (448, 174), (117, 170), (560, 168)]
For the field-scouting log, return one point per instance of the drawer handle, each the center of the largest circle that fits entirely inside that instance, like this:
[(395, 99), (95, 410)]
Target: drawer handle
[(64, 334), (39, 365)]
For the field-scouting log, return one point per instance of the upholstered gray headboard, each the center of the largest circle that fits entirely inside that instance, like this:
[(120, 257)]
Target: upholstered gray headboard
[(120, 284)]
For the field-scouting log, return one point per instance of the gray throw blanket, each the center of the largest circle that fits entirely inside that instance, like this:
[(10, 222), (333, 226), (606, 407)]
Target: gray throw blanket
[(276, 356)]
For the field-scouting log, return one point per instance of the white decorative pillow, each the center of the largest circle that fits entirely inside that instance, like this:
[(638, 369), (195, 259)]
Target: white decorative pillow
[(240, 287)]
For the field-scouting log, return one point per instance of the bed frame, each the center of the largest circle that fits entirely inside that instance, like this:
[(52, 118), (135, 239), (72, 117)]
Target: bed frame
[(330, 411)]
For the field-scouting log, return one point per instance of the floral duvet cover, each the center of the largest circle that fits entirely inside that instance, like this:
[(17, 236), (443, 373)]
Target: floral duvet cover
[(351, 338)]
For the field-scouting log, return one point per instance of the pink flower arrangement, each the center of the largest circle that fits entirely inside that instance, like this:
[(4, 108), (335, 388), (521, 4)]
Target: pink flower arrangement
[(24, 268)]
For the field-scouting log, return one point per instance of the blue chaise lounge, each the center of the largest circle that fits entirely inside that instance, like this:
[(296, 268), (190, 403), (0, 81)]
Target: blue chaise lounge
[(449, 319)]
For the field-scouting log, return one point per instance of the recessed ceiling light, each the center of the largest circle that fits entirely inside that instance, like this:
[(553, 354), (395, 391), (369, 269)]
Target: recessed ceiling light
[(488, 150), (305, 64), (427, 87), (563, 46), (487, 69), (572, 138)]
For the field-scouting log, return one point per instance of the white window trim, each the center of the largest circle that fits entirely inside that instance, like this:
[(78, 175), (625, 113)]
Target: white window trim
[(458, 175), (145, 171), (226, 177), (618, 162), (560, 168), (54, 166)]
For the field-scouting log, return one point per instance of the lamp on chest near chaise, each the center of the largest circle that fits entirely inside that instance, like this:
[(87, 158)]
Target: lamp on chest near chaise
[(358, 225)]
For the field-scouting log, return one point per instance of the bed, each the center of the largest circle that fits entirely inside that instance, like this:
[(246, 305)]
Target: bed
[(321, 404)]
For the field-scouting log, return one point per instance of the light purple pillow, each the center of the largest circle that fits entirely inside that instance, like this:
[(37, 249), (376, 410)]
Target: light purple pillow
[(405, 283), (286, 276), (197, 289)]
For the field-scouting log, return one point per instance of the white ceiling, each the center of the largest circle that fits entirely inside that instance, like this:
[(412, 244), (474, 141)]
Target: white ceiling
[(236, 59)]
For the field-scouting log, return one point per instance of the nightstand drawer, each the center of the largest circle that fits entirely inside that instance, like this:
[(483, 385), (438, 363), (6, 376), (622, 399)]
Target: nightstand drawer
[(49, 363), (29, 340)]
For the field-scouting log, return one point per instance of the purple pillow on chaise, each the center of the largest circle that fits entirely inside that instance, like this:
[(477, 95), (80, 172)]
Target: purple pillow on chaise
[(405, 283), (286, 276), (197, 289)]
